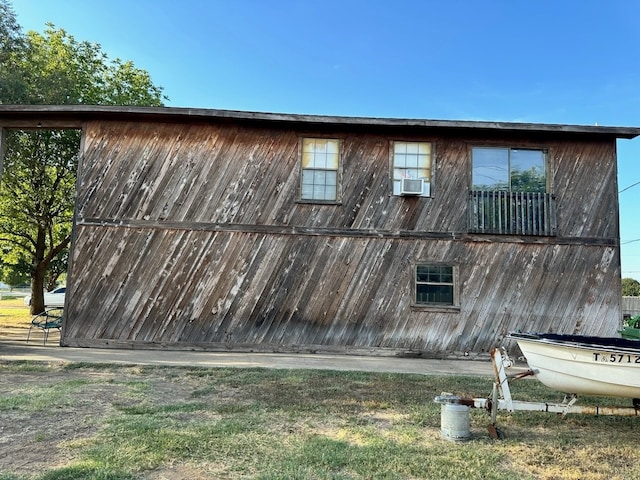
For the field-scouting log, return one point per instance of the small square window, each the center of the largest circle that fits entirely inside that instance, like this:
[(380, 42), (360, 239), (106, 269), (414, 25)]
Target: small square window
[(435, 285), (319, 170), (411, 160)]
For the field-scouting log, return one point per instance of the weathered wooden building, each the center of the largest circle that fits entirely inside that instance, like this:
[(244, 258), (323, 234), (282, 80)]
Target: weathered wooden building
[(208, 229)]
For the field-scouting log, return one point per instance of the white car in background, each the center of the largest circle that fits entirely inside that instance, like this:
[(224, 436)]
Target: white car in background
[(54, 298)]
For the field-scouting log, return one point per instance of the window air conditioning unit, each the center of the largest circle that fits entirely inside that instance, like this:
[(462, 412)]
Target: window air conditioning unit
[(411, 186)]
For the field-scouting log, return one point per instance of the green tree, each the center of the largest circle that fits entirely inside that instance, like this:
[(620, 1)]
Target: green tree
[(630, 287), (37, 187), (37, 200), (532, 180), (12, 41), (14, 267)]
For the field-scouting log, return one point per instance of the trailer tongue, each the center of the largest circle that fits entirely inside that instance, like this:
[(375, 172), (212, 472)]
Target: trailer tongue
[(501, 399)]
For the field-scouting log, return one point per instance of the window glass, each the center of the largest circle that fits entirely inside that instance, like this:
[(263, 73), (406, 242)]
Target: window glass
[(319, 184), (320, 160), (434, 294), (435, 285), (528, 171), (490, 169), (504, 169), (411, 160)]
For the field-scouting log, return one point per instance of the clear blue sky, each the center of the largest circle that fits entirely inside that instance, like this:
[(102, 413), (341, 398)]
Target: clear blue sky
[(542, 61)]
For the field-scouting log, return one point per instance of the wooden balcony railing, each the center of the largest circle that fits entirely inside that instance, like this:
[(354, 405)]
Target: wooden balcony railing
[(512, 213)]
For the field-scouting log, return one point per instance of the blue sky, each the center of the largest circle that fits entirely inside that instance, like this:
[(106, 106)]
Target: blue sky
[(542, 61)]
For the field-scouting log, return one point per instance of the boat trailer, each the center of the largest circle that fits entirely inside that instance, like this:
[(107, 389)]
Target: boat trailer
[(501, 399)]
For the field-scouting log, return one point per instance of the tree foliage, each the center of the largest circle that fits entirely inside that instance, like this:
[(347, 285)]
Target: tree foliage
[(531, 180), (12, 42), (15, 267), (630, 287), (37, 187), (37, 200), (57, 69)]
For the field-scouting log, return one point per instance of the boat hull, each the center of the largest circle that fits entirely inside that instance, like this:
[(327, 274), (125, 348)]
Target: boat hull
[(584, 365)]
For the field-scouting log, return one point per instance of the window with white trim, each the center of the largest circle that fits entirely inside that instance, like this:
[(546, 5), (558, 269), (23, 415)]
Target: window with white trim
[(412, 167), (436, 285), (320, 170)]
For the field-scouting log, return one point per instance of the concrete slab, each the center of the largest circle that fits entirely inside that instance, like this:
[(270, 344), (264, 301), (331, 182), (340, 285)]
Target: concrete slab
[(19, 350)]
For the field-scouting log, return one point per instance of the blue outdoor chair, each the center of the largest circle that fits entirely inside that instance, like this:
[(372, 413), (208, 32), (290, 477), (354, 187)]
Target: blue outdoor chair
[(45, 321)]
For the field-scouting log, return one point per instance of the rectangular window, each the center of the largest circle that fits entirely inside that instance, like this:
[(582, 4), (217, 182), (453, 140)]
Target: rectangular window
[(411, 161), (435, 285), (319, 167), (509, 170), (509, 192)]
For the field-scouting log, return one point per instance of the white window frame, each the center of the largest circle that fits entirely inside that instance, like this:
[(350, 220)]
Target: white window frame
[(320, 160), (405, 163)]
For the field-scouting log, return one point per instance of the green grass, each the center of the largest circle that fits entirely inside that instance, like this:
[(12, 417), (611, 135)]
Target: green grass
[(9, 303), (15, 318), (301, 424)]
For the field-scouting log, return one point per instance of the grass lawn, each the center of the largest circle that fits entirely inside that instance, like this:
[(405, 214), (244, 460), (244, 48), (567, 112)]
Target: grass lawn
[(14, 318), (80, 421)]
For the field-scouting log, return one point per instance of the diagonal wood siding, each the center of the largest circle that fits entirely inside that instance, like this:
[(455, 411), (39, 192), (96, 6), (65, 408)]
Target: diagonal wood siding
[(191, 236)]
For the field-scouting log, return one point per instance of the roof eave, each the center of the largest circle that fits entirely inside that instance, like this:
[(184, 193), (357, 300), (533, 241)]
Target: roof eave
[(20, 116)]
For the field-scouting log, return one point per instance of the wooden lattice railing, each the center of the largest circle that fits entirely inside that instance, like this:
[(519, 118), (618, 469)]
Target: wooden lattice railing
[(512, 213)]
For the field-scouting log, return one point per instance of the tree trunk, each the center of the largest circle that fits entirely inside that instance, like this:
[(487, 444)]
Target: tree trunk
[(38, 269), (37, 291), (40, 263)]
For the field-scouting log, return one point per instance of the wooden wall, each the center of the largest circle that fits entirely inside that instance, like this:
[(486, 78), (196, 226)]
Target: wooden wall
[(191, 236)]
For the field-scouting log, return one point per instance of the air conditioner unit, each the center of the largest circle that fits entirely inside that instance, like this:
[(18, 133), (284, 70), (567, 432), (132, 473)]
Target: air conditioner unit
[(411, 186)]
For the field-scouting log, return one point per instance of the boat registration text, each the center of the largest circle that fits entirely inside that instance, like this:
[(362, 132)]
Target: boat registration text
[(615, 358)]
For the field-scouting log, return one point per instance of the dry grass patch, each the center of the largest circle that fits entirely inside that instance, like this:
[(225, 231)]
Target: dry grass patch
[(15, 318), (115, 422)]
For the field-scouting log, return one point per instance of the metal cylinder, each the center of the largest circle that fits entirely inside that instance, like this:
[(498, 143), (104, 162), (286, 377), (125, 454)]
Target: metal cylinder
[(454, 422)]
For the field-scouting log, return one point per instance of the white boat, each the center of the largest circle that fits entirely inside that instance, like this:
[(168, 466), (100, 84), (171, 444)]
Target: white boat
[(583, 365)]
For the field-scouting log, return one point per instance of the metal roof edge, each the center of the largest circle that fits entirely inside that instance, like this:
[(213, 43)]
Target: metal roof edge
[(84, 112)]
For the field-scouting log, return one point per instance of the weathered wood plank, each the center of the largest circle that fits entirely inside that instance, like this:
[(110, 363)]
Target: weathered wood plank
[(192, 234), (326, 302)]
